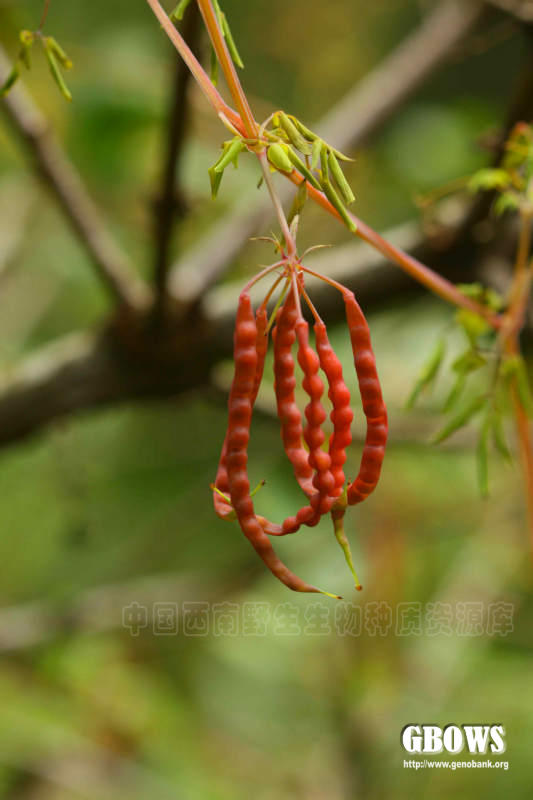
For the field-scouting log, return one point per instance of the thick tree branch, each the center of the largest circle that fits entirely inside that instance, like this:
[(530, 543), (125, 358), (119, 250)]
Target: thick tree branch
[(361, 113), (170, 203), (522, 10), (126, 362), (62, 180)]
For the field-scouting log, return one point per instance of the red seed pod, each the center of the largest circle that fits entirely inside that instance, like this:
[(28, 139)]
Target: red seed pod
[(373, 405), (240, 416), (223, 508), (283, 336), (339, 394), (320, 461)]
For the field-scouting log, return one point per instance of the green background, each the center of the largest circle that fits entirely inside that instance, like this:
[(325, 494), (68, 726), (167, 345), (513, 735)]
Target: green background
[(113, 508)]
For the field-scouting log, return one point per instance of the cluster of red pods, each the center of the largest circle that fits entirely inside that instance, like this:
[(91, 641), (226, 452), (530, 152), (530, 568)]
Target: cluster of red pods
[(318, 471)]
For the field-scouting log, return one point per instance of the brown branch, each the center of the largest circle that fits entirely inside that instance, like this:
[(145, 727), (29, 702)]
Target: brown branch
[(62, 180), (361, 113), (125, 362), (170, 204), (522, 10)]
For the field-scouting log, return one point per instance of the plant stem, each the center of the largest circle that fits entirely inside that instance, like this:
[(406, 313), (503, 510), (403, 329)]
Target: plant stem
[(284, 225), (427, 277), (44, 15), (228, 67), (198, 72)]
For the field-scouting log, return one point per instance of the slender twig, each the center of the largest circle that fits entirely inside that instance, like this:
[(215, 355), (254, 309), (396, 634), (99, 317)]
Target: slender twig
[(166, 208), (427, 277), (198, 72), (89, 370), (448, 22), (62, 180), (44, 14), (228, 68)]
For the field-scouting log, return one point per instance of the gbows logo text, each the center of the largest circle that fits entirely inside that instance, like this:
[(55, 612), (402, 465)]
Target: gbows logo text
[(453, 738)]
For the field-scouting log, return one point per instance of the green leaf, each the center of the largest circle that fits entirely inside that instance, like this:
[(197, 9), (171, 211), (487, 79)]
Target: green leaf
[(301, 167), (213, 67), (455, 393), (58, 52), (508, 201), (56, 72), (230, 154), (460, 419), (515, 367), (232, 47), (298, 202), (498, 436), (473, 325), (489, 179), (10, 81), (340, 179), (179, 11), (330, 192), (470, 361), (315, 153), (215, 179), (294, 136), (428, 373), (27, 39)]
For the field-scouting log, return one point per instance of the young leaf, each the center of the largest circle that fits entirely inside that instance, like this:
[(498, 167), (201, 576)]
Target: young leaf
[(455, 392), (298, 203), (330, 192), (56, 74), (315, 153), (487, 179), (27, 39), (498, 436), (179, 11), (515, 367), (295, 137), (340, 179), (215, 179), (428, 373), (58, 52), (473, 325), (508, 201), (213, 67), (482, 457), (301, 167), (10, 81), (230, 41), (468, 362), (231, 152), (460, 419)]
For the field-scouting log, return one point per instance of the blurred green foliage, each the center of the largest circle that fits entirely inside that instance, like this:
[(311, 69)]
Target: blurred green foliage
[(116, 504)]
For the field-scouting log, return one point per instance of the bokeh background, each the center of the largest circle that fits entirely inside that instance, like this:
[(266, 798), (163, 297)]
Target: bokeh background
[(112, 508)]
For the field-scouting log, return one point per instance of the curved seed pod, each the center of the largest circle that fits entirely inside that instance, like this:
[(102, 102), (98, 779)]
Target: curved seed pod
[(223, 507), (373, 405), (320, 461), (284, 336), (339, 394), (240, 415)]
